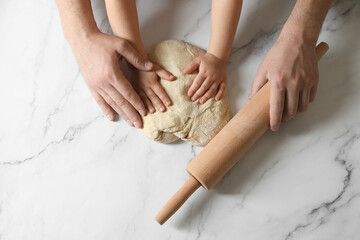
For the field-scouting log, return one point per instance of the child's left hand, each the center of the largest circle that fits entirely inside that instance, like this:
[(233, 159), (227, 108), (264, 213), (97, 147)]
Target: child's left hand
[(149, 88), (211, 78)]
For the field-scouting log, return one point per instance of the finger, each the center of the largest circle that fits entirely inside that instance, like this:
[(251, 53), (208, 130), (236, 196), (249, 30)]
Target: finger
[(125, 117), (125, 106), (304, 98), (277, 96), (126, 50), (195, 85), (209, 93), (221, 91), (114, 106), (155, 100), (163, 74), (192, 66), (147, 102), (160, 92), (291, 103), (258, 82), (202, 90), (104, 106), (124, 87), (313, 92)]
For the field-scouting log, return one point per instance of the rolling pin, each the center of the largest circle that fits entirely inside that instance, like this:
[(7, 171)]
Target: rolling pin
[(226, 148)]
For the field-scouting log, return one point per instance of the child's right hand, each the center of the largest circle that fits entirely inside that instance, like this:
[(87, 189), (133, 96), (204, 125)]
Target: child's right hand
[(211, 79), (150, 90)]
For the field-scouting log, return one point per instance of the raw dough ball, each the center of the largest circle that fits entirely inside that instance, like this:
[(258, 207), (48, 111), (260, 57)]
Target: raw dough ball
[(190, 121)]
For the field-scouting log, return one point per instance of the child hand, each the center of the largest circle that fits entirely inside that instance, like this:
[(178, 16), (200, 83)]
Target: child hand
[(211, 78), (150, 90)]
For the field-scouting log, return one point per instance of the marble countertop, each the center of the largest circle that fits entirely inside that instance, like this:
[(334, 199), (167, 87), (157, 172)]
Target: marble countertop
[(66, 172)]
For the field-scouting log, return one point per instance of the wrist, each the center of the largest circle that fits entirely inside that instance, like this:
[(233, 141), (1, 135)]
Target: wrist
[(77, 37), (219, 56), (298, 36), (302, 28), (216, 57)]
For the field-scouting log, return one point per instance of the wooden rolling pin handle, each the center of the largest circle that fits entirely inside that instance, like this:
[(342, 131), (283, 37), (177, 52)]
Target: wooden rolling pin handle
[(212, 166), (179, 198), (321, 49)]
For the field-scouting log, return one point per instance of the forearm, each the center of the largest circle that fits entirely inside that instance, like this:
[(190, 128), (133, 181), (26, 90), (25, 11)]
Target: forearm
[(224, 20), (305, 22), (124, 22), (77, 19)]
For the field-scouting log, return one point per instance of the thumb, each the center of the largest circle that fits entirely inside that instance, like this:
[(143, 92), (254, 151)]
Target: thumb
[(258, 82), (163, 74), (125, 49), (192, 66)]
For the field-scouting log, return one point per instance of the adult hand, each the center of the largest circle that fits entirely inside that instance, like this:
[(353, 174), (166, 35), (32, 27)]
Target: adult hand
[(292, 69), (99, 57)]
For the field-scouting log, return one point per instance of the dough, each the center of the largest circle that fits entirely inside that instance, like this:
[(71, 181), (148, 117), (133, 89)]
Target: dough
[(189, 121)]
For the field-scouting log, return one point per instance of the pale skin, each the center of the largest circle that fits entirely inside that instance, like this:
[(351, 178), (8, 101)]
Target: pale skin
[(291, 64), (124, 23), (99, 56), (212, 76)]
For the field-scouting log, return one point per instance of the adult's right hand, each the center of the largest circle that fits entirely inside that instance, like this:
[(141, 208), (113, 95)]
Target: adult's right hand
[(99, 56)]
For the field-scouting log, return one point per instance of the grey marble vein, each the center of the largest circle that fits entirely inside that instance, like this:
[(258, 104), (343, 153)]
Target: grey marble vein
[(66, 172)]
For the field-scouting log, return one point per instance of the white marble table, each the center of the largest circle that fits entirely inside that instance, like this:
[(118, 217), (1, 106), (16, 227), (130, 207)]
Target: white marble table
[(66, 172)]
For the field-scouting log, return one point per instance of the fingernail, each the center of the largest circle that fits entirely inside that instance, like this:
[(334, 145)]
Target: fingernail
[(162, 109), (275, 129), (109, 117), (168, 103), (137, 124), (130, 123), (148, 65), (142, 112)]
